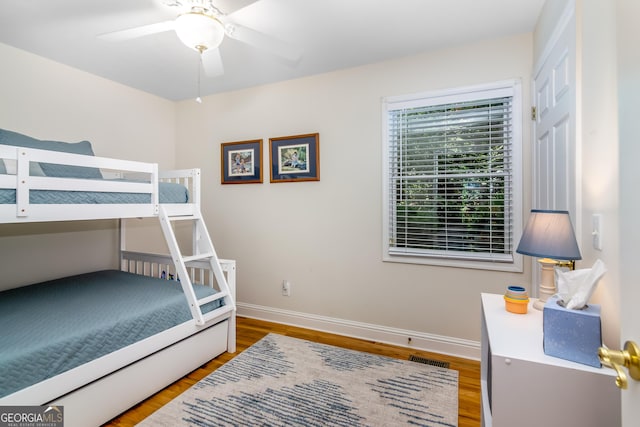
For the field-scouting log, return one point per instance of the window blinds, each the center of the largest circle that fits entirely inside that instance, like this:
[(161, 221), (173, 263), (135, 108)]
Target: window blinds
[(450, 177)]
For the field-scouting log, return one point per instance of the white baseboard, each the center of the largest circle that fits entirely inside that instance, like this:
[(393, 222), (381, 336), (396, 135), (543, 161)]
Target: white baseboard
[(418, 340)]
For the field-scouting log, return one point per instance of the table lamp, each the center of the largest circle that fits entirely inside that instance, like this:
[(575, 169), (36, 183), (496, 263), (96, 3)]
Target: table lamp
[(549, 236)]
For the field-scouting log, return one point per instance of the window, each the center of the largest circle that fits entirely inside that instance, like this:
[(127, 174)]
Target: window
[(452, 177)]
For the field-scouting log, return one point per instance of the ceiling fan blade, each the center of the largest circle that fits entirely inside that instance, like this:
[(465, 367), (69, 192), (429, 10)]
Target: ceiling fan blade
[(264, 42), (136, 32), (212, 62)]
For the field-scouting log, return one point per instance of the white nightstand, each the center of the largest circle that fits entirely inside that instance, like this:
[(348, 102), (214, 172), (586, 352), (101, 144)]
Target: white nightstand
[(521, 386)]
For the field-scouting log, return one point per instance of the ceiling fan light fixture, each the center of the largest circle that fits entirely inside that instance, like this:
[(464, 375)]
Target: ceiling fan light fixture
[(199, 31)]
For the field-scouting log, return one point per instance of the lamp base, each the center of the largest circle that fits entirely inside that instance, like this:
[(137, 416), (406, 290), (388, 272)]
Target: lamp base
[(547, 287)]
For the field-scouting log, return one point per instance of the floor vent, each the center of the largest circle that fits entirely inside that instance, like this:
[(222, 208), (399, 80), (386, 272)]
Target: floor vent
[(426, 361)]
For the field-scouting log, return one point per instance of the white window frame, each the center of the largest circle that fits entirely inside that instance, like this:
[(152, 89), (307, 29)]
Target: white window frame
[(512, 263)]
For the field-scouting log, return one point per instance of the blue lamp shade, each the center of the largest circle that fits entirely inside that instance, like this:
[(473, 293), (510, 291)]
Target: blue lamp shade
[(549, 234)]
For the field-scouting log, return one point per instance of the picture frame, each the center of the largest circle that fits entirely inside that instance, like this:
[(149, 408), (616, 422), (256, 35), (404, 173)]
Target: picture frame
[(295, 158), (241, 162)]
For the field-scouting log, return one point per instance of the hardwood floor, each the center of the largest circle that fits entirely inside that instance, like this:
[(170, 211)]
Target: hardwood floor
[(250, 331)]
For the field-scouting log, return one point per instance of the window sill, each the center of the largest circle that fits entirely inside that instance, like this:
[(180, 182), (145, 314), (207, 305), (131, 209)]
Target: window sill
[(514, 266)]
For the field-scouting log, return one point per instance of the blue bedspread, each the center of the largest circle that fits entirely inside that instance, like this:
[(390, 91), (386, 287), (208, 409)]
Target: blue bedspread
[(54, 326), (169, 193)]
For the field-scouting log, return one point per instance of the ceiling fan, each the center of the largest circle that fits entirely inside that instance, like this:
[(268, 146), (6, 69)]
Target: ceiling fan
[(202, 26)]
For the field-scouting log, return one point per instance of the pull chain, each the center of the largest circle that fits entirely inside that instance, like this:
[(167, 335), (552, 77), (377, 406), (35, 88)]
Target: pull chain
[(198, 99), (200, 50)]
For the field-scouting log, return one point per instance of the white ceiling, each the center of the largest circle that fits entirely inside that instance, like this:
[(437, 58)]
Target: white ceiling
[(331, 34)]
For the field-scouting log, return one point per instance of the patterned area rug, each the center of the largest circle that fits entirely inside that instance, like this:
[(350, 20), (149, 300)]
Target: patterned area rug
[(284, 381)]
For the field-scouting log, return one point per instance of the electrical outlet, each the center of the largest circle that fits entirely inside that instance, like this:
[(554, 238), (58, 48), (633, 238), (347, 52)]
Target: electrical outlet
[(286, 288)]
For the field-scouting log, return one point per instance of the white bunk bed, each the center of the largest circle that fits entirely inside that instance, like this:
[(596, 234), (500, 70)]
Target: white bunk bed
[(34, 188)]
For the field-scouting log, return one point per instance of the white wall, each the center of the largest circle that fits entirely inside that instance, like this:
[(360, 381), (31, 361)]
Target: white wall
[(597, 136), (325, 237), (600, 154), (47, 100)]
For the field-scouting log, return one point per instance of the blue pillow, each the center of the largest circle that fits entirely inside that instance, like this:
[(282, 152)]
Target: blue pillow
[(8, 137)]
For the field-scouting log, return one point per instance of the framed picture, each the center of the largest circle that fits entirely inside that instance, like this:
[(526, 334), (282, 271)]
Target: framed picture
[(295, 158), (241, 162)]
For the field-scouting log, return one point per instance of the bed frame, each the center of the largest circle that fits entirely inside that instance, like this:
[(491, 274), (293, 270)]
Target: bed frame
[(97, 391), (23, 183)]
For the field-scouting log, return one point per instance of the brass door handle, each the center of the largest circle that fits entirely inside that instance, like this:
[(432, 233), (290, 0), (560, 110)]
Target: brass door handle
[(616, 359)]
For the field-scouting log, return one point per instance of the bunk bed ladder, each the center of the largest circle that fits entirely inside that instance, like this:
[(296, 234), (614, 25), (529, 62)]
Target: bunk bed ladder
[(202, 250)]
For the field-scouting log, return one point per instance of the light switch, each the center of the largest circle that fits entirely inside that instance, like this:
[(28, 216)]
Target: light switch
[(596, 231)]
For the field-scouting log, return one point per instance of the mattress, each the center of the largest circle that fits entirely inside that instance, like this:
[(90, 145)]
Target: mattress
[(54, 326), (169, 192)]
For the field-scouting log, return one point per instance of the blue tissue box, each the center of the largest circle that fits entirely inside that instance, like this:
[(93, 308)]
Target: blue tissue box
[(573, 335)]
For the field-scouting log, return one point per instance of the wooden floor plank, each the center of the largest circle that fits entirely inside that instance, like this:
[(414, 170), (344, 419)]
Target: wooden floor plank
[(249, 331)]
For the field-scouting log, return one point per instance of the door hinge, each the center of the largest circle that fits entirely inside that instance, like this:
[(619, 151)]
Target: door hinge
[(534, 113)]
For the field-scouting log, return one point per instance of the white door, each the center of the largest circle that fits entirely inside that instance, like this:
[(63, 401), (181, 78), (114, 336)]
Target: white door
[(555, 181), (629, 137), (554, 140)]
